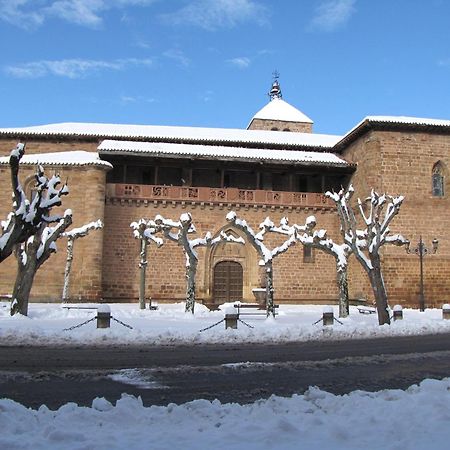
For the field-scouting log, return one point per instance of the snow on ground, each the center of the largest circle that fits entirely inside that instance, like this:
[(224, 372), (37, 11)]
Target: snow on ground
[(417, 418), (169, 324)]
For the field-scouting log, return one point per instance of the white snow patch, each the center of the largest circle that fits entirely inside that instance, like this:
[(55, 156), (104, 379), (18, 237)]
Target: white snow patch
[(278, 109), (155, 132), (141, 378), (234, 153), (417, 418), (170, 325), (73, 158)]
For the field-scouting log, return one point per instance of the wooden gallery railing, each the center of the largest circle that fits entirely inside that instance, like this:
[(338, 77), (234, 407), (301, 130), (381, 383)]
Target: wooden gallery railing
[(206, 195)]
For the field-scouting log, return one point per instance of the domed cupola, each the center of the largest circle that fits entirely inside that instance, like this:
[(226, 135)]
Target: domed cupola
[(279, 115)]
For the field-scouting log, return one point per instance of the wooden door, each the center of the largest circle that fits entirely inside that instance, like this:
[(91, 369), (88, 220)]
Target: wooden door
[(228, 282)]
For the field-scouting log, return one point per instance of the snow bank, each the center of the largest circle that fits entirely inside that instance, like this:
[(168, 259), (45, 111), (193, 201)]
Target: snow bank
[(170, 325), (417, 418)]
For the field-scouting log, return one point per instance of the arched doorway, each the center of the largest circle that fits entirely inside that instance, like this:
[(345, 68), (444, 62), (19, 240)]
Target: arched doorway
[(228, 282)]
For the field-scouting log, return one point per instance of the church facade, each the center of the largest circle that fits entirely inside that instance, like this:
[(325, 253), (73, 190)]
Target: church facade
[(277, 167)]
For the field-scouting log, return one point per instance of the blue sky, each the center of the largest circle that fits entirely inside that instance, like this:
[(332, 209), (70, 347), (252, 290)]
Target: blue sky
[(210, 62)]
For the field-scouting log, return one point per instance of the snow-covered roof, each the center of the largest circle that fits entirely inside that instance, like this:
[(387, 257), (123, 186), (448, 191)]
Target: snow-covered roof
[(177, 134), (394, 121), (407, 120), (163, 149), (278, 109), (72, 158)]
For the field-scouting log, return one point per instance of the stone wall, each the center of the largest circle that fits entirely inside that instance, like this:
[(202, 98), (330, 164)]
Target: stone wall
[(86, 199), (400, 163), (42, 145), (294, 280), (280, 125)]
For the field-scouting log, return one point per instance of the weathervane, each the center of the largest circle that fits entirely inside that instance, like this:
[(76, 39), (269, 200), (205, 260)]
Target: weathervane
[(275, 91)]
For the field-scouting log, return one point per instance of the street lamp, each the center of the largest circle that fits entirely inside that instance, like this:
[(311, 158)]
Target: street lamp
[(421, 251)]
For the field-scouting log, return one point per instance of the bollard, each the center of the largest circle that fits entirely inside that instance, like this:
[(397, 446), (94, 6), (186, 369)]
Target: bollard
[(446, 311), (231, 318), (328, 316), (103, 316), (398, 312)]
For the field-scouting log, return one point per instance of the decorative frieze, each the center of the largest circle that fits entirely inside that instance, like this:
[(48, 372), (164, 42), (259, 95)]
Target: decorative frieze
[(216, 196)]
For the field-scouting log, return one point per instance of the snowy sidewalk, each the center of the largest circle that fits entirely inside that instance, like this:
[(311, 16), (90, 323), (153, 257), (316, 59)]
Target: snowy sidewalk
[(170, 325)]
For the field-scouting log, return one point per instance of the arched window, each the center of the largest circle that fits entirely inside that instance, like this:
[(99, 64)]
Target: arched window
[(274, 129), (437, 180)]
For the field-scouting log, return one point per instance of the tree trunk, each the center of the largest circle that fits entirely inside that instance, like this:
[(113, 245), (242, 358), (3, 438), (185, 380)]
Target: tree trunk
[(379, 291), (269, 289), (191, 270), (143, 267), (343, 292), (65, 295), (22, 287)]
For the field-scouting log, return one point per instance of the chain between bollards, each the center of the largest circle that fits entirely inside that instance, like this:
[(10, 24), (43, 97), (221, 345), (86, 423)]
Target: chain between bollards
[(245, 323), (212, 326), (80, 325)]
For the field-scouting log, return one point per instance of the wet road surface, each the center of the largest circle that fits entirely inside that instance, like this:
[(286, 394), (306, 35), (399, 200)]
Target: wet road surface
[(231, 373)]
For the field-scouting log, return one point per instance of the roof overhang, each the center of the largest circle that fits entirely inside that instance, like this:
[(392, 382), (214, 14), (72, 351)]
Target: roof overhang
[(221, 153)]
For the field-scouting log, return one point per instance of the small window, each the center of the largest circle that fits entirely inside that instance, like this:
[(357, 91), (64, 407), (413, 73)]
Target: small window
[(437, 180), (286, 129), (308, 254), (274, 129)]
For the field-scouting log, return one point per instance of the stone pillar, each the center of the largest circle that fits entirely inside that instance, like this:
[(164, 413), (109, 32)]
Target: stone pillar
[(328, 316), (231, 318), (446, 311), (103, 316), (398, 312)]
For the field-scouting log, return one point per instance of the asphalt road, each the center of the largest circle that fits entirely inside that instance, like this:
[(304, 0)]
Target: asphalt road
[(231, 373)]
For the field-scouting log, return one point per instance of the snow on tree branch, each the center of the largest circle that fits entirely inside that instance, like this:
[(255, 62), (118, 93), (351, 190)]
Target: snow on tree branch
[(31, 255), (366, 243), (72, 236), (26, 217), (267, 255), (83, 230)]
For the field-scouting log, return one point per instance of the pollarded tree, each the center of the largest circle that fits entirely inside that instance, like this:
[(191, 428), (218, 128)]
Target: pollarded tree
[(341, 252), (144, 230), (72, 236), (30, 256), (179, 232), (26, 216), (366, 243), (266, 255)]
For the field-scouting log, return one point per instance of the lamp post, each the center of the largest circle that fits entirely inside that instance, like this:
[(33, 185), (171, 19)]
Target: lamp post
[(421, 251)]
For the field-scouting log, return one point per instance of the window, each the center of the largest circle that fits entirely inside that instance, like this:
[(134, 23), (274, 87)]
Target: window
[(308, 255), (437, 180)]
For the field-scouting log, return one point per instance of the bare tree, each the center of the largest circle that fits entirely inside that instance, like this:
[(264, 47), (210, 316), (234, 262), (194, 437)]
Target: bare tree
[(30, 256), (144, 230), (319, 239), (266, 256), (179, 232), (72, 236), (26, 216), (366, 243)]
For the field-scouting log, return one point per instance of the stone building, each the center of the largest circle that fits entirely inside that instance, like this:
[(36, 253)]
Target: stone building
[(276, 167)]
